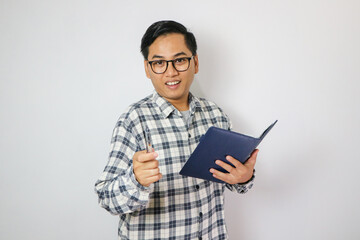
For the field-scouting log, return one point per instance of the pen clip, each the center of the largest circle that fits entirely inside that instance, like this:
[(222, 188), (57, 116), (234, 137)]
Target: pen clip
[(148, 140)]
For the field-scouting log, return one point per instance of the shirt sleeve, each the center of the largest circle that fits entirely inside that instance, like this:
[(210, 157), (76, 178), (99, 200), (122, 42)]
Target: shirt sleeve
[(117, 188)]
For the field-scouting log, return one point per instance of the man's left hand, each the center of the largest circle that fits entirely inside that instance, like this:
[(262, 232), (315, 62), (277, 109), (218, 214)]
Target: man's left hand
[(241, 173)]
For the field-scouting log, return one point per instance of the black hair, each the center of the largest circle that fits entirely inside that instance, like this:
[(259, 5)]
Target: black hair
[(162, 28)]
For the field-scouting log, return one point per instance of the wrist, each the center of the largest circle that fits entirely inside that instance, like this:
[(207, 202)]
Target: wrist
[(250, 179)]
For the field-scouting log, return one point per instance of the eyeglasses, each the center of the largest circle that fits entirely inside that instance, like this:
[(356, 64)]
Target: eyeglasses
[(180, 64)]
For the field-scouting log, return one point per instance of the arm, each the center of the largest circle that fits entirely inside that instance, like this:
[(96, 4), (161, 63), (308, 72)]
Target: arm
[(117, 188)]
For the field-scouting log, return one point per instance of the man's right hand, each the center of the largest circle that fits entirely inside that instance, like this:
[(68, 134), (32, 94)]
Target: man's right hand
[(146, 168)]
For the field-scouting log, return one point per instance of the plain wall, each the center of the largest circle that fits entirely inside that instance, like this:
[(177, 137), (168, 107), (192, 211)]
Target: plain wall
[(68, 69)]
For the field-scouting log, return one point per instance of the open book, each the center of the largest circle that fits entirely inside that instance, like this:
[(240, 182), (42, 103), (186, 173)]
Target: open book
[(216, 144)]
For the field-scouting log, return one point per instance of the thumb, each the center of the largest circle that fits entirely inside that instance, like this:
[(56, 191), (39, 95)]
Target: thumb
[(252, 160)]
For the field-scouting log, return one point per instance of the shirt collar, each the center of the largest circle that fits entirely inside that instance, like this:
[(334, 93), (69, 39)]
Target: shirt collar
[(167, 108)]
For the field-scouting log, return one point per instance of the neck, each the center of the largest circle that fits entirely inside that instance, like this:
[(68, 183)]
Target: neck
[(180, 104), (182, 107)]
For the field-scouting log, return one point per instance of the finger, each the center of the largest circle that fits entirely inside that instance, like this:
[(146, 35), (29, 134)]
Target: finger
[(219, 175), (252, 160), (151, 172), (233, 161), (224, 165), (150, 164), (145, 157), (143, 167), (143, 174), (238, 165), (147, 181)]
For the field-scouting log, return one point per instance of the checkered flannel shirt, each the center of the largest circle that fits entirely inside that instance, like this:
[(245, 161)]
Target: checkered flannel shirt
[(175, 207)]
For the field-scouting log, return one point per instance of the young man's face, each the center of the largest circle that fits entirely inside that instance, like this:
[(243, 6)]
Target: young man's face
[(173, 85)]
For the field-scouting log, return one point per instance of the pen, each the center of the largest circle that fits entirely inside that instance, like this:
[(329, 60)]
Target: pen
[(147, 140)]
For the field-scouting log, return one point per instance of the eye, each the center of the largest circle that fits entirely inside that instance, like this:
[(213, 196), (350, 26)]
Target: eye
[(158, 63), (180, 60)]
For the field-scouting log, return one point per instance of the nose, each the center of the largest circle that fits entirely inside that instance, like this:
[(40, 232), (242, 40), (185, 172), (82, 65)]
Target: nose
[(171, 71)]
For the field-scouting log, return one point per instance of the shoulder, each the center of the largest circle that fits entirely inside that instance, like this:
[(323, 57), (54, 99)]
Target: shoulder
[(212, 111), (135, 110), (130, 122), (134, 114), (210, 106)]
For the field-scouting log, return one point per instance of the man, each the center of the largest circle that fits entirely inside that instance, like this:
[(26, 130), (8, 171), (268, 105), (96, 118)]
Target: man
[(145, 188)]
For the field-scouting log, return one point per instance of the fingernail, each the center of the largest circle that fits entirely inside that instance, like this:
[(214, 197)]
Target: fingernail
[(155, 154)]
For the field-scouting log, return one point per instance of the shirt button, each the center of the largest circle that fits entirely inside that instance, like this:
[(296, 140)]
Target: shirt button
[(200, 214), (189, 135), (197, 187)]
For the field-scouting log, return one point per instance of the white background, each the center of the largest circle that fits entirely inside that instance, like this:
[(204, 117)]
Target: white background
[(68, 69)]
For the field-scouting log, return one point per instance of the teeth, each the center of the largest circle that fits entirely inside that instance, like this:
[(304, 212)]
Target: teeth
[(172, 83)]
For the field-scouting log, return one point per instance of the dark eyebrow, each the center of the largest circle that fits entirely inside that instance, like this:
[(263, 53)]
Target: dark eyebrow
[(157, 56), (176, 55), (179, 54)]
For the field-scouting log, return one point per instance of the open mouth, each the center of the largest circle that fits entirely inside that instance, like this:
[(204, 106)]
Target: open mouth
[(172, 83)]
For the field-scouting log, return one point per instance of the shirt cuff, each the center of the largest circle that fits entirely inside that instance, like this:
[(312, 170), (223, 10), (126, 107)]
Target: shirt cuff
[(243, 187)]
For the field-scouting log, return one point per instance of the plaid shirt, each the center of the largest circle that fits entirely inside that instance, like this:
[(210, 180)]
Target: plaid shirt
[(175, 207)]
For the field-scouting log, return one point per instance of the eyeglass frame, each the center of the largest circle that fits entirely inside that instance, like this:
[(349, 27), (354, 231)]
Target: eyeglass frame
[(172, 61)]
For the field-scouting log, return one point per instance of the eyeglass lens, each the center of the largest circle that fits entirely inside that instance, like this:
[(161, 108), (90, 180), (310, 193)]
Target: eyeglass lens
[(180, 64)]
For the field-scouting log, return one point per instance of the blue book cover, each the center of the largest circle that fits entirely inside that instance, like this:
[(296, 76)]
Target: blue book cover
[(216, 144)]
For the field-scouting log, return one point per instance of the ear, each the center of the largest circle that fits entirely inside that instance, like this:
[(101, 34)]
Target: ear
[(147, 70), (196, 61)]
